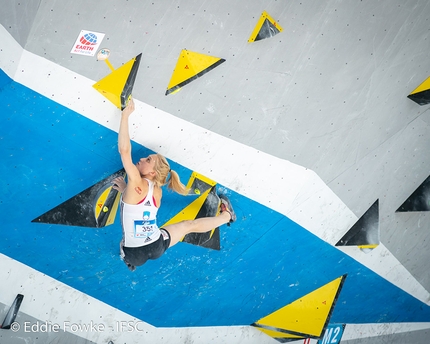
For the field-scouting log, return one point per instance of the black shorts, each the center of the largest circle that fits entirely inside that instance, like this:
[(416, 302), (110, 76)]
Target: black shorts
[(137, 256)]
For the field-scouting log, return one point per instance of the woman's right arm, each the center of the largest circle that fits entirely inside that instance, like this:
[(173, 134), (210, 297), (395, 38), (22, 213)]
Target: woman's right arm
[(124, 144)]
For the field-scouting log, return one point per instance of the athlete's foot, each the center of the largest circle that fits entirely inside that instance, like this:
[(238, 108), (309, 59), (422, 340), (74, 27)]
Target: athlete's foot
[(130, 267), (226, 206)]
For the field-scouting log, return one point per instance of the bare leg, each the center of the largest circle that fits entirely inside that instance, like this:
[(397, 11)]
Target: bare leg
[(178, 230)]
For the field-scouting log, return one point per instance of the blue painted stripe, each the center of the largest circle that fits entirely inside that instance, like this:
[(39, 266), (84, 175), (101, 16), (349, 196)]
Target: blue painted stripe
[(4, 79), (50, 153)]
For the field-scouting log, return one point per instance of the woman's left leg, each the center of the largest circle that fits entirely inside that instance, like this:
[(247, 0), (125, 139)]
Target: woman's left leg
[(204, 224)]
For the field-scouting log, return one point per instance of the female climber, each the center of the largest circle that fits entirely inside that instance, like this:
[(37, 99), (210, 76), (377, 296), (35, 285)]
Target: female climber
[(141, 199)]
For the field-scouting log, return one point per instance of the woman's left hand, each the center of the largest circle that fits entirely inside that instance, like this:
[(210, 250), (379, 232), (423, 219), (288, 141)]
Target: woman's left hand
[(119, 184)]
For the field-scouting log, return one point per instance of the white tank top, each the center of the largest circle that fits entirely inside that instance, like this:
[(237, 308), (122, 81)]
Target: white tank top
[(139, 221)]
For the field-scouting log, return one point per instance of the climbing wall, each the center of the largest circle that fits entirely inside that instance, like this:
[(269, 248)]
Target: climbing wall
[(311, 116)]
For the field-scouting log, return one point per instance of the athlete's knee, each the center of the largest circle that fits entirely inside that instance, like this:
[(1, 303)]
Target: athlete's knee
[(182, 228), (188, 225)]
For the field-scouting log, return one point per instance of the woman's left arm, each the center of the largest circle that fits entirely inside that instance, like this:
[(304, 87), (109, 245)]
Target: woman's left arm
[(119, 184)]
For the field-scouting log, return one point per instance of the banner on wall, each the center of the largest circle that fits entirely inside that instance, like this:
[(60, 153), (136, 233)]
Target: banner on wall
[(87, 43)]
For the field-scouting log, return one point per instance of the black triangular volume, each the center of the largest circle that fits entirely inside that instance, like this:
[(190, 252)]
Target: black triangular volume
[(336, 297), (208, 209), (199, 187), (365, 231), (129, 84), (267, 30), (287, 340), (80, 209), (12, 313), (419, 200), (282, 330), (421, 98)]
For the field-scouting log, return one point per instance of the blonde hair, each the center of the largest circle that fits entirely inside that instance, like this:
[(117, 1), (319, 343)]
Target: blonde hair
[(162, 171)]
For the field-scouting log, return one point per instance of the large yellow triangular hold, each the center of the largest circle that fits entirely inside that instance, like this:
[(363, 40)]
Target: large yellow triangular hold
[(190, 211), (266, 27), (421, 95), (305, 317), (106, 205), (118, 85), (190, 66)]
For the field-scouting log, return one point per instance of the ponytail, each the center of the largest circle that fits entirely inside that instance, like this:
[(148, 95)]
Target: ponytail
[(174, 183), (162, 170)]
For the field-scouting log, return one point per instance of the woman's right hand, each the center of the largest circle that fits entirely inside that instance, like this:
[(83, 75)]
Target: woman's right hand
[(128, 110)]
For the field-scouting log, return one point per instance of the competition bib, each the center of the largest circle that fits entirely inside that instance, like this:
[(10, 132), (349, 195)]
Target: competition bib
[(144, 229)]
